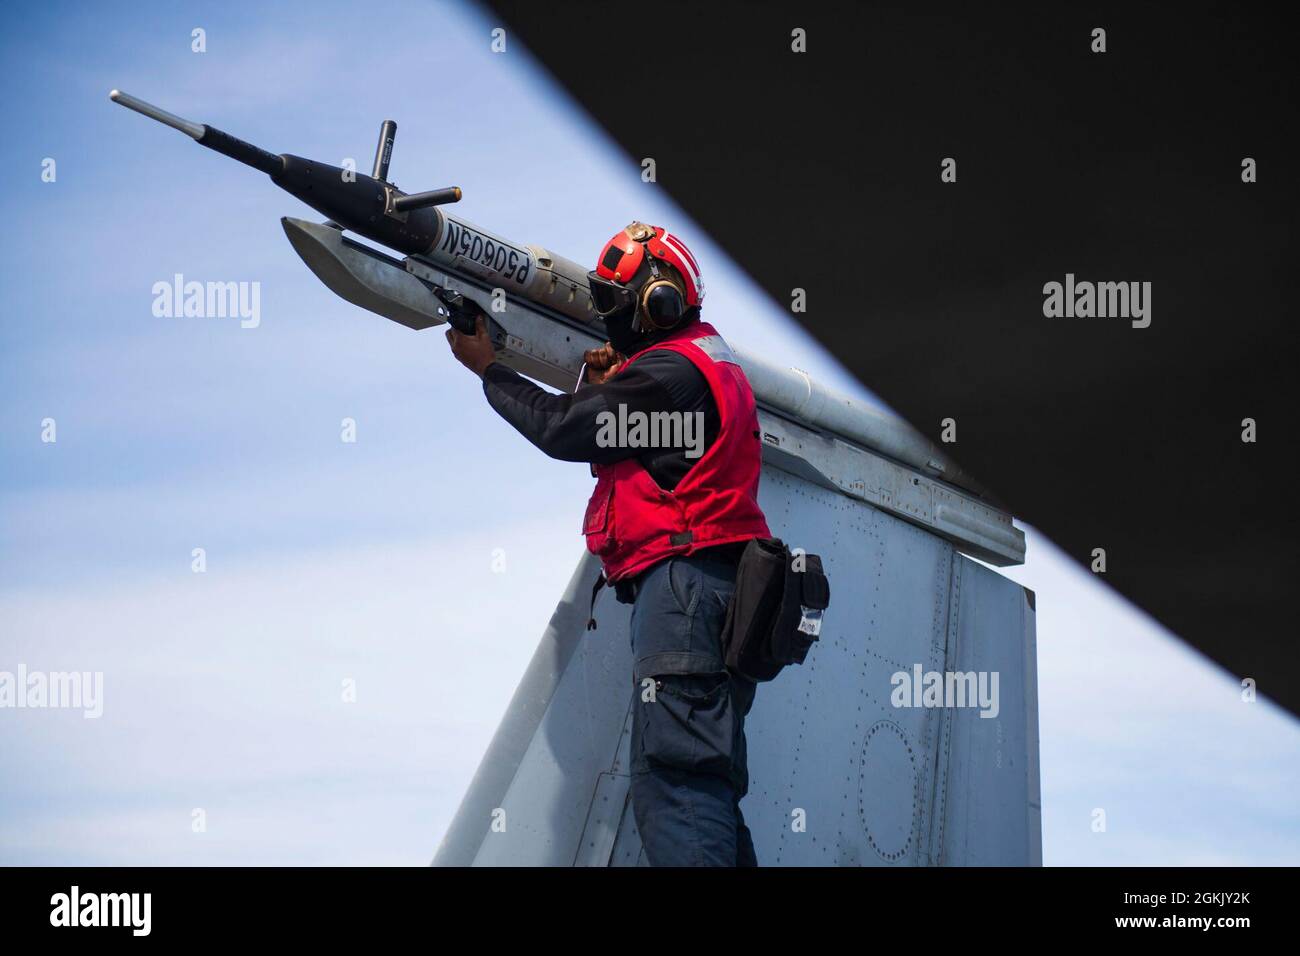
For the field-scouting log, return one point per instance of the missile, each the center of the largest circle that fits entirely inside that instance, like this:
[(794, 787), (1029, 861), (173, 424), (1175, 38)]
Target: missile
[(412, 224), (539, 314)]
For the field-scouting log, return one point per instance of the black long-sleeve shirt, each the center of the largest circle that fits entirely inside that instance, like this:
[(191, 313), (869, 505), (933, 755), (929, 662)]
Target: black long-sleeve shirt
[(567, 427)]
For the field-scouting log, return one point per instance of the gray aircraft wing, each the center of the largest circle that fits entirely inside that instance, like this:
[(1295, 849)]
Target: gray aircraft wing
[(839, 775)]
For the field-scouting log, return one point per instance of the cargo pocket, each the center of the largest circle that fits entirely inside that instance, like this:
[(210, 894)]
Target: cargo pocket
[(596, 522), (684, 587), (686, 720)]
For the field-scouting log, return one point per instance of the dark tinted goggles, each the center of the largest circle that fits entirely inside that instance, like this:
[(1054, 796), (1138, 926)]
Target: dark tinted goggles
[(609, 298)]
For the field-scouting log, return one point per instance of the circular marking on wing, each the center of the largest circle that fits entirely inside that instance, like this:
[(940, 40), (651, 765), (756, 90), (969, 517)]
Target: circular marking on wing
[(886, 773)]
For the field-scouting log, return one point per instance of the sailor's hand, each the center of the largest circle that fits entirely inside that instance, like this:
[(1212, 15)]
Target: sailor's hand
[(475, 351), (602, 363)]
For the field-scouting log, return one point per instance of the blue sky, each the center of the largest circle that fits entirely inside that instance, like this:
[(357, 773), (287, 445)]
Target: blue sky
[(372, 561)]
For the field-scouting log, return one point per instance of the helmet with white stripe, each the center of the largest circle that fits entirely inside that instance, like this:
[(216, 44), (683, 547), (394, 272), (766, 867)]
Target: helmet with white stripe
[(630, 270)]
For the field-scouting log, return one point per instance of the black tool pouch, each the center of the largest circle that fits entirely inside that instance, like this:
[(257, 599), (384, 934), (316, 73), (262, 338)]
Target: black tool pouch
[(776, 611)]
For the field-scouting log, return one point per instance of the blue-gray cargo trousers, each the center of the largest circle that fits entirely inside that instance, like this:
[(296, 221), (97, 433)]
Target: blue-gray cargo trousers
[(689, 768)]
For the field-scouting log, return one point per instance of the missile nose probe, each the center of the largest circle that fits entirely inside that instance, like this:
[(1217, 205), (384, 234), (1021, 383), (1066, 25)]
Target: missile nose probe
[(366, 205)]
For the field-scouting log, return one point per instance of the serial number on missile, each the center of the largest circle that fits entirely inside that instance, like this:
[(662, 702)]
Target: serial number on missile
[(506, 260)]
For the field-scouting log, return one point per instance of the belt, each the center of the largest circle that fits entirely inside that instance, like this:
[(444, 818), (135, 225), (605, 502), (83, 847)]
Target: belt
[(626, 590)]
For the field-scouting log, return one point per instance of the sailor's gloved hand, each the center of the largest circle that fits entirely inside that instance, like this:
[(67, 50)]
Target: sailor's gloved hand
[(475, 351), (602, 363)]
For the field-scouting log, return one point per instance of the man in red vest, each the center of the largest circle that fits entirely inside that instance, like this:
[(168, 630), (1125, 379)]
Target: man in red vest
[(666, 418)]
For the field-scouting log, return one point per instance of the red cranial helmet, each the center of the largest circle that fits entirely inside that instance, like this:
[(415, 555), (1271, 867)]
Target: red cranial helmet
[(649, 269)]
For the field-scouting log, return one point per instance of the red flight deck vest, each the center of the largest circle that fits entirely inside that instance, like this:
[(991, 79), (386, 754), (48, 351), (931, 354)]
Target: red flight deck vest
[(632, 523)]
